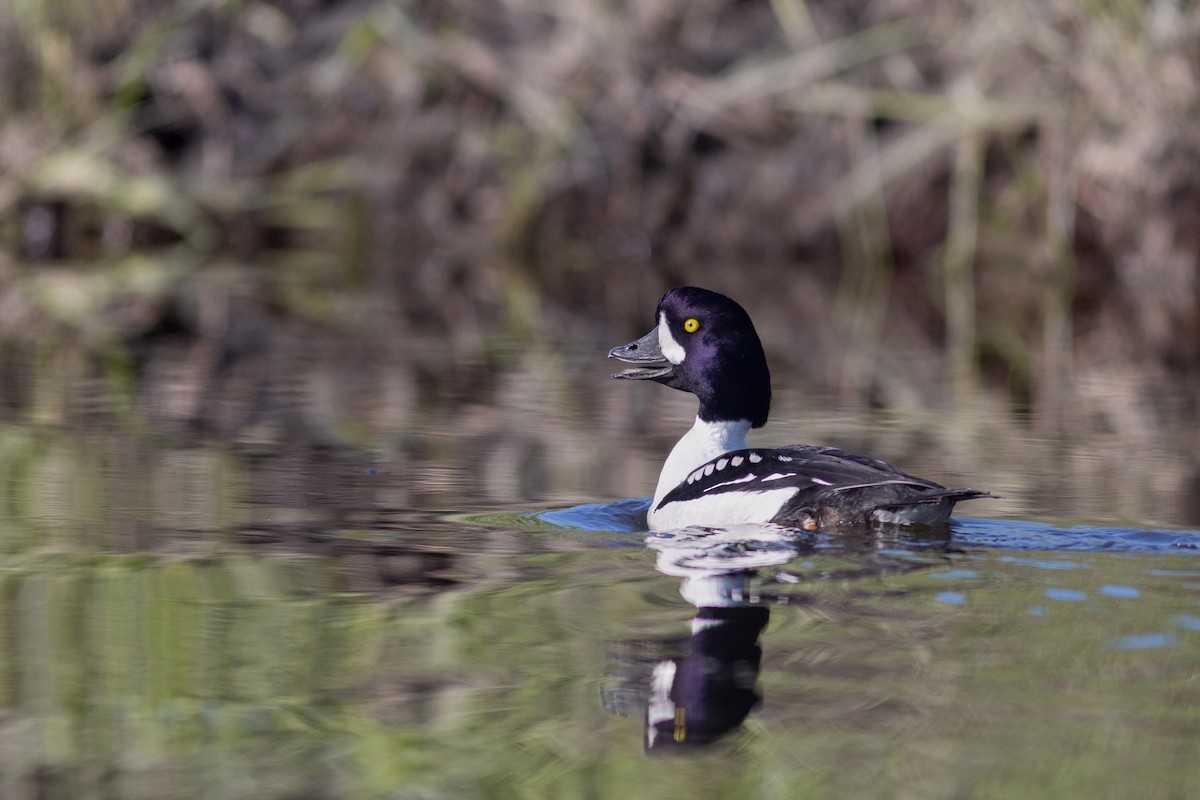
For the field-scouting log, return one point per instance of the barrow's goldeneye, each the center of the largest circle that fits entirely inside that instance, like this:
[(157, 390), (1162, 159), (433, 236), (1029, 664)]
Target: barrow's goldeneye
[(705, 343)]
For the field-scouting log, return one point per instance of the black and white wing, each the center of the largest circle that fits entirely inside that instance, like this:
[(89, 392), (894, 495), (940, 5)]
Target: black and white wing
[(827, 486)]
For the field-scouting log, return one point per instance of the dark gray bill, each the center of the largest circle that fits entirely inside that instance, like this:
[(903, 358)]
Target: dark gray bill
[(644, 351)]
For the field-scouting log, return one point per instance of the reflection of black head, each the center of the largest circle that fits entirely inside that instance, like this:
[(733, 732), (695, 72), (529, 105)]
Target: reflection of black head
[(697, 698)]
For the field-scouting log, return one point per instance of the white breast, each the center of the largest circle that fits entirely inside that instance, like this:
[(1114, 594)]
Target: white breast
[(704, 442)]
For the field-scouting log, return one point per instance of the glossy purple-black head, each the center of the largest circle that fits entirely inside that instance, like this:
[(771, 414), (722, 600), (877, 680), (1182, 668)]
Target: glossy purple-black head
[(704, 343)]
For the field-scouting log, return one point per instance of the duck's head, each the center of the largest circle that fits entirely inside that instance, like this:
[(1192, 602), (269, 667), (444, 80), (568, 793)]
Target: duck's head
[(704, 343)]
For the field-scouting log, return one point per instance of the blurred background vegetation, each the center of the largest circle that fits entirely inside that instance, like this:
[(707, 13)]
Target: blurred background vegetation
[(208, 209), (283, 282)]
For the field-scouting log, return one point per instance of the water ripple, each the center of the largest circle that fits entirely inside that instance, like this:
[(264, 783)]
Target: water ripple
[(1145, 641), (1066, 595), (623, 516), (629, 516), (1119, 590), (1022, 535)]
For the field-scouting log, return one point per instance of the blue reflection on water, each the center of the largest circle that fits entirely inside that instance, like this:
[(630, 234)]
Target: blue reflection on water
[(723, 569), (1043, 563), (629, 516), (955, 574), (1145, 641), (1024, 535), (623, 516)]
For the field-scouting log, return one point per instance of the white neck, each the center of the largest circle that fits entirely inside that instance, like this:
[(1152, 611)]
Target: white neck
[(704, 442)]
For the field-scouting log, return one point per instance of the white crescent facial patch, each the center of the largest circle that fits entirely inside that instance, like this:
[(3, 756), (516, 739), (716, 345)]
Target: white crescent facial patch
[(670, 348)]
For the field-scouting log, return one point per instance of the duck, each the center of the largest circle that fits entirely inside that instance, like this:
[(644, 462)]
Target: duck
[(705, 343)]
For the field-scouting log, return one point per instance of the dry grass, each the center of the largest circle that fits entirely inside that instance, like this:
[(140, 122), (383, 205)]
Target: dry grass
[(909, 195)]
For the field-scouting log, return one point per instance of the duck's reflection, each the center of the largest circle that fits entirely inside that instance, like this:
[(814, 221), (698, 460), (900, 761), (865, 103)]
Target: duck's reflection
[(695, 689), (709, 689)]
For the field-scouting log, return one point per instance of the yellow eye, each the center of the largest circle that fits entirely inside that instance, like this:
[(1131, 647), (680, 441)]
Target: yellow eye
[(691, 324)]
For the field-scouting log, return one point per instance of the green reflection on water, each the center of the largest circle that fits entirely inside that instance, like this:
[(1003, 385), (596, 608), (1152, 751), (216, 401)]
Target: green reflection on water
[(256, 676), (192, 622)]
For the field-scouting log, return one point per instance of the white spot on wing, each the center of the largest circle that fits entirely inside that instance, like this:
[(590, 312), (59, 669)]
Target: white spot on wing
[(784, 458), (743, 479), (708, 469), (755, 458), (822, 482), (721, 462), (736, 461), (776, 476)]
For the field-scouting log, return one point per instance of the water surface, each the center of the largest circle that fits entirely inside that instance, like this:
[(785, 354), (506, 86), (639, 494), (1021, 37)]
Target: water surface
[(443, 618)]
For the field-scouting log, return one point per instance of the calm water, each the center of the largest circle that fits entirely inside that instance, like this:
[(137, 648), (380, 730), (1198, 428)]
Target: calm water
[(439, 616)]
